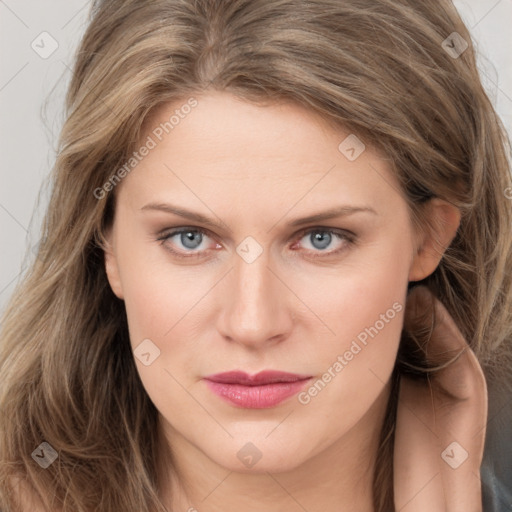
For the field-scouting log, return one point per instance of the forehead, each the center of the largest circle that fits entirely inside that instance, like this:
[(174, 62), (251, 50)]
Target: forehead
[(220, 120), (237, 146)]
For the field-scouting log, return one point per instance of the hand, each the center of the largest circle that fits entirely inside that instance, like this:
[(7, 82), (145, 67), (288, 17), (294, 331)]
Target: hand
[(441, 422)]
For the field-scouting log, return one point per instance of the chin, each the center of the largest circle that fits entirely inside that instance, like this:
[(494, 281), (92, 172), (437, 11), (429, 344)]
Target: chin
[(260, 455)]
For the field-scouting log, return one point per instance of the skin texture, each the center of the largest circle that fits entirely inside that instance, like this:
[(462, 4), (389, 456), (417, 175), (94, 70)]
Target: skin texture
[(440, 427), (253, 170)]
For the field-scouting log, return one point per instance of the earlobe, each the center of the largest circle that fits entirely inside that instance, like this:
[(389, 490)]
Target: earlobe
[(111, 267), (444, 222)]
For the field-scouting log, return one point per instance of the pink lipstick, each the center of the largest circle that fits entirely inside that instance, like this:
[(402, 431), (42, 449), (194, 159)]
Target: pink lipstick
[(263, 390)]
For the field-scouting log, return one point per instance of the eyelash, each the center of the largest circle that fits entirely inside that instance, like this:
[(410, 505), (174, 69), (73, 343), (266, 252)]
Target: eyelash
[(348, 237)]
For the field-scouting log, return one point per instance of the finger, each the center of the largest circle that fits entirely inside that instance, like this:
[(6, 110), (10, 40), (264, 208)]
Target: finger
[(440, 427), (446, 344), (416, 475)]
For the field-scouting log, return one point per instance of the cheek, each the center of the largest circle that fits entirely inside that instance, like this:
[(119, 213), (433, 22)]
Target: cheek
[(374, 301), (366, 292), (157, 302), (365, 308), (156, 293)]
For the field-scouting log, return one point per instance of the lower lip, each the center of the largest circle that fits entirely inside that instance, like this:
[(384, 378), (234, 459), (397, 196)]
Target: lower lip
[(257, 397)]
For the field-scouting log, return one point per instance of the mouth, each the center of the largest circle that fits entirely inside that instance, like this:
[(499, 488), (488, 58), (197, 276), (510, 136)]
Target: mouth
[(261, 391)]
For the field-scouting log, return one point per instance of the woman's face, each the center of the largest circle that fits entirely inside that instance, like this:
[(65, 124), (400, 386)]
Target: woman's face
[(241, 280)]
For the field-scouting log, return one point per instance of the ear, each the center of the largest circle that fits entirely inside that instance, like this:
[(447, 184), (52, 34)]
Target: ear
[(432, 244), (111, 265)]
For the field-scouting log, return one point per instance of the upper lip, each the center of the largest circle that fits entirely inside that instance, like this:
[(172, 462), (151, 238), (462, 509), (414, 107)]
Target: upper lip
[(261, 378)]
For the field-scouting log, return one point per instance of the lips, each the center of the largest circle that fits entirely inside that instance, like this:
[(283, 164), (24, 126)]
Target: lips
[(265, 377), (263, 390)]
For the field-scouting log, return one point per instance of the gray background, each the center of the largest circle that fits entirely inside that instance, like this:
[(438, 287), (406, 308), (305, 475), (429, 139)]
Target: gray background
[(31, 117)]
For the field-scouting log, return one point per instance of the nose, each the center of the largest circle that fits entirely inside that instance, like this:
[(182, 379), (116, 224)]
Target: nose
[(256, 304)]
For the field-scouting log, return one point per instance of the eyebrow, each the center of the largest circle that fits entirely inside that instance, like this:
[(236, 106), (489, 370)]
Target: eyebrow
[(338, 211)]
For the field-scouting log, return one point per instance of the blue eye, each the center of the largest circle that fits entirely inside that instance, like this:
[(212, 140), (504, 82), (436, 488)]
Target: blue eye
[(191, 239), (318, 237), (322, 238)]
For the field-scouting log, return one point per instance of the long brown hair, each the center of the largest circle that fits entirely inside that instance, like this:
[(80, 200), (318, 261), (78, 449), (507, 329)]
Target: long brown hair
[(390, 71)]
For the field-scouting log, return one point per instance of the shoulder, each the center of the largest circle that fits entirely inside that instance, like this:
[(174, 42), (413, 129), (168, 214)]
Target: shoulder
[(496, 470)]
